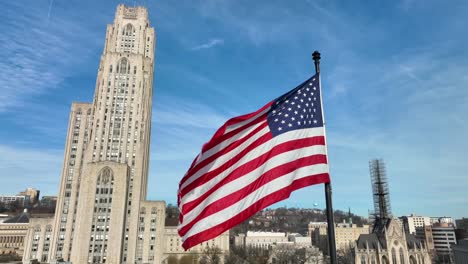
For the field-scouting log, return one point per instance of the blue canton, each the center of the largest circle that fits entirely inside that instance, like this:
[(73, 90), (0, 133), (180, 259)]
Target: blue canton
[(298, 109)]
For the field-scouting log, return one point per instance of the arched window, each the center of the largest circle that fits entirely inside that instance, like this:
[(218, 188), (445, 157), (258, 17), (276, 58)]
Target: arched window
[(412, 260), (385, 260), (105, 177), (394, 258), (123, 67), (402, 256), (128, 30), (128, 38)]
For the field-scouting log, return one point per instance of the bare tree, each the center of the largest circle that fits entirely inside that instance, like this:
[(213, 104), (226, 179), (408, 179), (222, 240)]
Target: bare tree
[(211, 255)]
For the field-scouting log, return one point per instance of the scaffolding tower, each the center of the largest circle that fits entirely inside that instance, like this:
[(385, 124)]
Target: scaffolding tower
[(380, 190)]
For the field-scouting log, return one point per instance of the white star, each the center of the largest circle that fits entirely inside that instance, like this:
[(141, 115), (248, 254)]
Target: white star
[(298, 106), (293, 103), (307, 104), (302, 116), (310, 122), (292, 118), (310, 99), (287, 101), (310, 84), (312, 104), (295, 112), (314, 110), (279, 128), (299, 92), (315, 98), (312, 93), (289, 125), (315, 88), (315, 121), (302, 101), (305, 95), (303, 110), (307, 89), (274, 111), (295, 97), (299, 122), (289, 109), (276, 120), (280, 113), (282, 122), (286, 115), (313, 79)]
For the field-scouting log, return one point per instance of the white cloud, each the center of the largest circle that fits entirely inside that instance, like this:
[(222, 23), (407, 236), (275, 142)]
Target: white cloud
[(210, 44), (39, 54)]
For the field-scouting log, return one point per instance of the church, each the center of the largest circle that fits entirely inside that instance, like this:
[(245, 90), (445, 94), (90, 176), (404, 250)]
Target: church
[(388, 242)]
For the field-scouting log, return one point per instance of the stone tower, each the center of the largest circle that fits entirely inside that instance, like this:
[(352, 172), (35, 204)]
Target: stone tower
[(101, 211)]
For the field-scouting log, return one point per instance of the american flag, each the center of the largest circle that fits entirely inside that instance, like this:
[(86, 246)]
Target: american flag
[(253, 161)]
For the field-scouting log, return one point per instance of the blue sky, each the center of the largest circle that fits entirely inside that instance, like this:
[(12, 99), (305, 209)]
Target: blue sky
[(394, 78)]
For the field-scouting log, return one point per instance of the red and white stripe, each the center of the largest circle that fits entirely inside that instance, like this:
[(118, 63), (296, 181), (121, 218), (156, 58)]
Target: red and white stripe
[(244, 169)]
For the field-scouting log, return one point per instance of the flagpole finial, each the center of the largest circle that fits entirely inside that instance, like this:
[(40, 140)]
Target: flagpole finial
[(316, 57)]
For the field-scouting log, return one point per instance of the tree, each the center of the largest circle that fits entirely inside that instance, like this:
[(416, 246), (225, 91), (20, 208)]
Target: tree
[(189, 259), (345, 256), (172, 260), (211, 255)]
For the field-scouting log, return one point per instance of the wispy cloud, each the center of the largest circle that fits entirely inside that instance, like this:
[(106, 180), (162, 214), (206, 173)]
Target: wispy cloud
[(39, 54), (210, 44)]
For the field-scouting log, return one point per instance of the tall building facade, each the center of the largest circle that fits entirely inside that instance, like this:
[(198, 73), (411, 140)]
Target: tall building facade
[(101, 214)]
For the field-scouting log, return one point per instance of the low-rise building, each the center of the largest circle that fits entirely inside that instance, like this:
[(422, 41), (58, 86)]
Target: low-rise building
[(12, 234), (172, 245), (346, 235), (20, 200)]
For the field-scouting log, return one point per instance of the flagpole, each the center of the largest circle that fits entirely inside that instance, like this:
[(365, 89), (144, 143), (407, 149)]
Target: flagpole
[(328, 189)]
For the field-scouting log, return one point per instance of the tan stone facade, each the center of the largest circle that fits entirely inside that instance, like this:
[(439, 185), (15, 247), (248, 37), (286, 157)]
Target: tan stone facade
[(12, 237), (103, 186), (173, 244), (389, 243)]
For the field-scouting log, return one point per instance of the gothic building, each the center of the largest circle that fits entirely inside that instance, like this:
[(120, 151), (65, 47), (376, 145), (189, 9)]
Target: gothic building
[(102, 215), (388, 242)]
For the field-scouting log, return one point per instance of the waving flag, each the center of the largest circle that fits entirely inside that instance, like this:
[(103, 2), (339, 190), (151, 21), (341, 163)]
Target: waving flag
[(253, 161)]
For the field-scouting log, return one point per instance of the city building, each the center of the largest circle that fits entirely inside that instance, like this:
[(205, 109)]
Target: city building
[(442, 220), (444, 237), (462, 223), (19, 200), (101, 214), (260, 239), (460, 252), (32, 193), (172, 247), (412, 222), (48, 201), (388, 242), (425, 234), (12, 234), (346, 235)]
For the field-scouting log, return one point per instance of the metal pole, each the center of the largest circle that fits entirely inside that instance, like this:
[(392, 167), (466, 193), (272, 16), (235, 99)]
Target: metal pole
[(328, 189)]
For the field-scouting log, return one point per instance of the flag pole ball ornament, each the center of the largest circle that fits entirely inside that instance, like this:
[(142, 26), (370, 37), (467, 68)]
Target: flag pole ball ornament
[(253, 161)]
